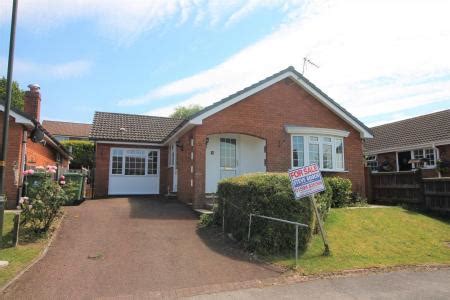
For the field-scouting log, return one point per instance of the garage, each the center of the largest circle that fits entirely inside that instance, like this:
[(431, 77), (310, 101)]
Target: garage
[(134, 171)]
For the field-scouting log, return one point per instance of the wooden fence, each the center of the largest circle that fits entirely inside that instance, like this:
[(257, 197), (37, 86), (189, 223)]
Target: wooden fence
[(396, 187), (410, 188), (437, 193)]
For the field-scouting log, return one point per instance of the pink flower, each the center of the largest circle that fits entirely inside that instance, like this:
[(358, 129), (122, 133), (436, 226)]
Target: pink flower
[(53, 171), (30, 171), (52, 167), (62, 182), (62, 177), (21, 200)]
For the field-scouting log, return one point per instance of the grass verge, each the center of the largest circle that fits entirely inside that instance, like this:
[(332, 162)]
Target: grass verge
[(376, 237), (21, 256)]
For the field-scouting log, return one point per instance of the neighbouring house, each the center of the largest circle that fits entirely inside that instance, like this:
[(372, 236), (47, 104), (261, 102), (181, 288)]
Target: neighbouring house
[(64, 131), (410, 144), (23, 153), (281, 122)]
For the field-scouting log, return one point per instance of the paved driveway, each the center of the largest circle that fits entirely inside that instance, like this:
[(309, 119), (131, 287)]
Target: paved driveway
[(132, 246)]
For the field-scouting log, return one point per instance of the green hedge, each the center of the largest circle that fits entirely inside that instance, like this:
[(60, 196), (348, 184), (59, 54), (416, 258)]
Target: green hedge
[(82, 153), (341, 191), (266, 194)]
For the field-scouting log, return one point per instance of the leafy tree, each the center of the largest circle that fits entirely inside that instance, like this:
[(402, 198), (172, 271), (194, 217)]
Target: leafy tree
[(17, 94), (184, 112), (82, 153)]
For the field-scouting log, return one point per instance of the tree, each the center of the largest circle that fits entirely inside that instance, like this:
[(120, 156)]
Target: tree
[(82, 153), (17, 94), (184, 112)]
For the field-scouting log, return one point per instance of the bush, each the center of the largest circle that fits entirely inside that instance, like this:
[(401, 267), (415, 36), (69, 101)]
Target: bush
[(82, 153), (43, 206), (206, 220), (341, 191), (267, 194)]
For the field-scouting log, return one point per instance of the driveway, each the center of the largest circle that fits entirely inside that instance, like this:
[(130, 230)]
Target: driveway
[(133, 247)]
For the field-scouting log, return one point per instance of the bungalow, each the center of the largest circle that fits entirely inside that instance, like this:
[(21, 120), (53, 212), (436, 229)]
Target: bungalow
[(410, 144), (64, 131), (29, 145), (281, 122)]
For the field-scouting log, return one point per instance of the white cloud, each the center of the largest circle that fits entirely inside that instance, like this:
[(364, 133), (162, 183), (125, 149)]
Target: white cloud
[(124, 21), (374, 56), (65, 70)]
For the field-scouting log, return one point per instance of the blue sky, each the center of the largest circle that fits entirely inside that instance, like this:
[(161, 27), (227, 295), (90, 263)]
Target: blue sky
[(382, 60)]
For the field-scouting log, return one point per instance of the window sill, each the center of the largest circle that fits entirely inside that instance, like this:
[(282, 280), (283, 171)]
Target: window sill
[(334, 171)]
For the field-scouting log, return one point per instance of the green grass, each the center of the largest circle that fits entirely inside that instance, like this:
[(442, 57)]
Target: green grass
[(18, 257), (376, 237)]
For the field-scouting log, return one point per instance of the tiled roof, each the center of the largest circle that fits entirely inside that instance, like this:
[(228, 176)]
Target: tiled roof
[(419, 130), (132, 128), (67, 128)]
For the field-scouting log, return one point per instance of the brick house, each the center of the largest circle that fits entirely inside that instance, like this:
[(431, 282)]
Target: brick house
[(410, 144), (23, 153), (281, 122), (65, 131)]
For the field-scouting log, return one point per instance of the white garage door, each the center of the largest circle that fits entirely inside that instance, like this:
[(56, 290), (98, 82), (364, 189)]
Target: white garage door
[(133, 171)]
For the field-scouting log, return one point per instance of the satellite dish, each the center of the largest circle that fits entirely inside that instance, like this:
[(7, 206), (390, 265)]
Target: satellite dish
[(37, 135)]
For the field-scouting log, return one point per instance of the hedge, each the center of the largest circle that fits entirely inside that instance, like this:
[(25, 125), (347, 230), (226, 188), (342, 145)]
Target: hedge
[(341, 191), (82, 153), (266, 194)]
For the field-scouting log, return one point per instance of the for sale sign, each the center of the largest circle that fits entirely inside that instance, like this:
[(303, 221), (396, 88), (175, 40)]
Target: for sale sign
[(306, 181)]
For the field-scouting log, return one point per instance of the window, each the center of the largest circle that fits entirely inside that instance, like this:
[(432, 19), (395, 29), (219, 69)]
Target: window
[(152, 163), (172, 153), (227, 153), (426, 155), (116, 167), (372, 162), (298, 151), (325, 151), (134, 162)]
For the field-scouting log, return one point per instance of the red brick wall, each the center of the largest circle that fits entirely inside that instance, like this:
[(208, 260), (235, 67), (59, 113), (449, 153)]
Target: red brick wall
[(184, 163), (102, 159), (39, 154), (13, 160), (264, 115)]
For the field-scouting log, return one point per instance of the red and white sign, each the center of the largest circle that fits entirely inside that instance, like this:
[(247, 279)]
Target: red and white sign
[(306, 181)]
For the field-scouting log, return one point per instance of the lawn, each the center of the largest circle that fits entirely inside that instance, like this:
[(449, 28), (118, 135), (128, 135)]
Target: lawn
[(376, 237), (18, 257)]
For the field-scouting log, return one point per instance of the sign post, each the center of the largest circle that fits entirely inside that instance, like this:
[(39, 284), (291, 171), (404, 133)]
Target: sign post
[(307, 181)]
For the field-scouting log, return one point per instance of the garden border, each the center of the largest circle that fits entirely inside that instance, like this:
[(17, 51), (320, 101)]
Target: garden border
[(38, 258)]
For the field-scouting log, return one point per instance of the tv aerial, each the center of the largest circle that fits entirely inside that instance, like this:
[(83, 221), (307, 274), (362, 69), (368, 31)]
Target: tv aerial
[(307, 61)]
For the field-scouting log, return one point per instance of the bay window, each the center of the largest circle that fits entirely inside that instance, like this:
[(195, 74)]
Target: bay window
[(326, 151)]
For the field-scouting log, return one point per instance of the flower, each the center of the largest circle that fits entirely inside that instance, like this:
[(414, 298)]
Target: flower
[(62, 177), (53, 171), (31, 171), (30, 206), (52, 167), (62, 182), (40, 168), (21, 200)]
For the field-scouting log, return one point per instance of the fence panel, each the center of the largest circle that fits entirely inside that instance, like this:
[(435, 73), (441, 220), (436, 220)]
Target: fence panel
[(437, 193), (397, 187)]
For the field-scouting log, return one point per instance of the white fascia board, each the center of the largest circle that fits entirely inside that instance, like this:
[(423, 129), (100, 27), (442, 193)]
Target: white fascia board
[(363, 132), (409, 148), (186, 127), (316, 130), (128, 143), (18, 118)]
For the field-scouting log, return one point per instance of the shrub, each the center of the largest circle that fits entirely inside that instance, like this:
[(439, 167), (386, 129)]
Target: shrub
[(267, 194), (82, 153), (43, 207), (341, 191), (206, 220)]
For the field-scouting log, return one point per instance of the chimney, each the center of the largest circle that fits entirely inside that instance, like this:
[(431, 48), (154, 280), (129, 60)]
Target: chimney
[(32, 101)]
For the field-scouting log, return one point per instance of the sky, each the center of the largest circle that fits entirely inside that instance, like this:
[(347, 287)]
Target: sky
[(382, 60)]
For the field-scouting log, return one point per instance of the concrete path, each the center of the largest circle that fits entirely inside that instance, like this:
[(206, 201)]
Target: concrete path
[(406, 285), (133, 247)]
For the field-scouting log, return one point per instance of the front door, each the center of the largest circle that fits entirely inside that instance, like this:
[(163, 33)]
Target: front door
[(228, 157)]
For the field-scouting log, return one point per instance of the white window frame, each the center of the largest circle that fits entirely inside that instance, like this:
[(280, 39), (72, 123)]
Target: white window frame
[(423, 150), (306, 142), (372, 158), (146, 151), (172, 155)]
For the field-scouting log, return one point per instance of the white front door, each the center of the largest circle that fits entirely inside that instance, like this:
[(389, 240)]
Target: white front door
[(228, 157)]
